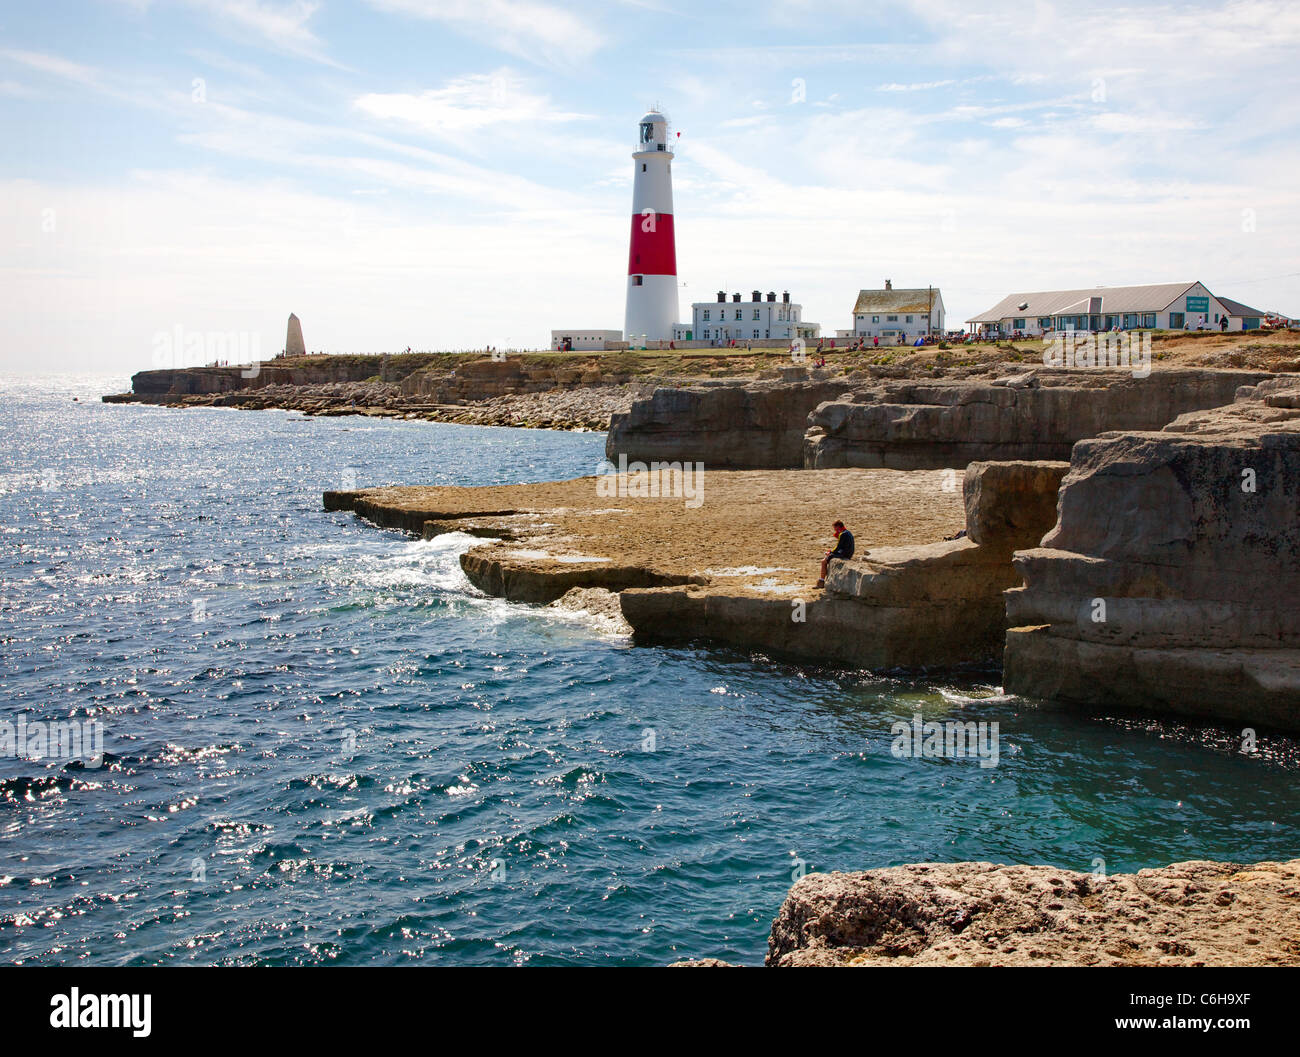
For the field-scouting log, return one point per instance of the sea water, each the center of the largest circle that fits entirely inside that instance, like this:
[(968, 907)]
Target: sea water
[(322, 745)]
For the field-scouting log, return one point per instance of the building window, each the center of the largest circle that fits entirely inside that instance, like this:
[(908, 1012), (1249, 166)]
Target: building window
[(1044, 323), (706, 313), (738, 315), (875, 319), (706, 334), (1176, 321), (909, 319), (1019, 324), (755, 332), (757, 316), (891, 319)]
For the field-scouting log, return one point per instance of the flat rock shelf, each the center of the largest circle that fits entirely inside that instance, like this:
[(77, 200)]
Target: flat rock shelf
[(760, 532)]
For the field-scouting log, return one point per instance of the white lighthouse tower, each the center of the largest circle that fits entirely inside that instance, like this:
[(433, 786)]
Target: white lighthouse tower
[(652, 257)]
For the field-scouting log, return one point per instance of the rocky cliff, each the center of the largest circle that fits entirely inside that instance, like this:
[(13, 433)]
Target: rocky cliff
[(1191, 913), (157, 386), (755, 425), (558, 393), (868, 419), (1171, 579), (1037, 414)]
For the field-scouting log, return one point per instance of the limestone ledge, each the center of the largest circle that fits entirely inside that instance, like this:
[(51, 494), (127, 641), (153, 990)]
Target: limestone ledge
[(726, 571), (980, 914)]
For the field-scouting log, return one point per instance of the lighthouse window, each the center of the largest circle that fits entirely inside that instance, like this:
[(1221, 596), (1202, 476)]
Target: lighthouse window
[(643, 166), (636, 280)]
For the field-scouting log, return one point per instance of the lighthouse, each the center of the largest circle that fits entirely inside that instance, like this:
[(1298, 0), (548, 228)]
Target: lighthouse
[(652, 256)]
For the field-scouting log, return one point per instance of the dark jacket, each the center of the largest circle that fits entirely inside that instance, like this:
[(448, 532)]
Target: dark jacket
[(843, 546)]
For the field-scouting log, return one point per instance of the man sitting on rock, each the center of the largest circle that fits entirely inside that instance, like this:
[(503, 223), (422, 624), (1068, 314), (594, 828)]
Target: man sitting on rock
[(843, 549)]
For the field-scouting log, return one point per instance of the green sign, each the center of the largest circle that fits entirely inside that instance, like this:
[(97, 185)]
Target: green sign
[(1198, 304)]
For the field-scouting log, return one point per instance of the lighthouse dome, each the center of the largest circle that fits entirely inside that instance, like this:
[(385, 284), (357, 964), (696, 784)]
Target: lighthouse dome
[(653, 135)]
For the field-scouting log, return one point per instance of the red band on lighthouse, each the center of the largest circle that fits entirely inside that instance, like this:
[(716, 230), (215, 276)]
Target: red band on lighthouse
[(652, 251)]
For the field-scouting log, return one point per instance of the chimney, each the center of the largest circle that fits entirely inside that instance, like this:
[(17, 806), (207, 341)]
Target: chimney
[(722, 295), (758, 295), (771, 295), (735, 297), (889, 284), (785, 297)]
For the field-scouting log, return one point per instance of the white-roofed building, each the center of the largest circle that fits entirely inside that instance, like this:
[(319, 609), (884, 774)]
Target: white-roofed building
[(1161, 306)]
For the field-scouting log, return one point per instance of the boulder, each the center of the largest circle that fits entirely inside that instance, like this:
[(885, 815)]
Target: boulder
[(1011, 505)]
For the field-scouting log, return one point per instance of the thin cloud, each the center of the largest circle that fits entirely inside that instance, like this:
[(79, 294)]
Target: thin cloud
[(285, 26), (919, 86), (54, 65), (539, 32), (467, 104)]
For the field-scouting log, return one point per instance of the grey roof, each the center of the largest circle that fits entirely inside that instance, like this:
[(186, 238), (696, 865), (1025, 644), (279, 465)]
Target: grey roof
[(1236, 308), (915, 300), (1097, 299)]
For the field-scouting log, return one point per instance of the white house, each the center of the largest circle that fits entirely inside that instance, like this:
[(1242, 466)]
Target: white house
[(583, 339), (1163, 306), (897, 317), (757, 319)]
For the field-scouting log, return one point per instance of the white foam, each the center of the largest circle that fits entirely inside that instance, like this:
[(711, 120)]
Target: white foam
[(564, 559)]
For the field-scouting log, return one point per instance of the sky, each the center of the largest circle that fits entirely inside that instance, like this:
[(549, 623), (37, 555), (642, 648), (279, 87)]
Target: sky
[(451, 174)]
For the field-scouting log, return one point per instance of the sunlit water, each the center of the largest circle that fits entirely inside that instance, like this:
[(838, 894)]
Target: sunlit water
[(323, 745)]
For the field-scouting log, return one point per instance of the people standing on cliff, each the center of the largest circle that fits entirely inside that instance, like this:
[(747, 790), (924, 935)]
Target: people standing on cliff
[(843, 549)]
